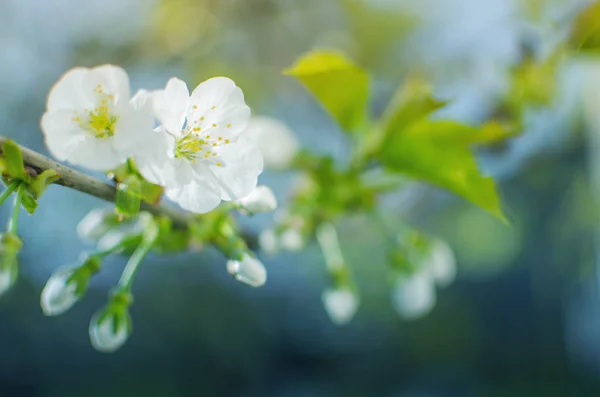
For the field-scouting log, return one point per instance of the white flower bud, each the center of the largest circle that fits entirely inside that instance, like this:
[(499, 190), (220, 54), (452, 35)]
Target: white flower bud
[(103, 335), (249, 270), (7, 278), (414, 295), (94, 225), (127, 228), (58, 296), (260, 200), (341, 305), (291, 239), (441, 263), (268, 241), (274, 139)]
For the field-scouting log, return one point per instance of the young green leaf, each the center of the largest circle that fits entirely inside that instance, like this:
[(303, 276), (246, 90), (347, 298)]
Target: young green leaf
[(39, 183), (129, 196), (453, 133), (450, 166), (28, 202), (585, 35), (337, 83), (14, 161)]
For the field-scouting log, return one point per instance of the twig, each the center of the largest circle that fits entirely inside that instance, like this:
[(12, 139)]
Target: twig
[(93, 186)]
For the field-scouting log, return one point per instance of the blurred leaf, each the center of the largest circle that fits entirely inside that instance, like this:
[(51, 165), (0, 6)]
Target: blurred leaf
[(413, 101), (339, 85), (450, 132), (585, 34), (534, 82), (39, 183), (427, 154), (14, 161), (129, 196)]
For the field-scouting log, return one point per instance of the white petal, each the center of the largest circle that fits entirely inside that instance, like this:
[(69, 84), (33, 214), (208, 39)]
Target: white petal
[(441, 263), (274, 139), (93, 225), (268, 241), (63, 135), (239, 174), (249, 270), (341, 305), (220, 102), (133, 130), (170, 105), (291, 239), (58, 296), (414, 296), (7, 279), (199, 196), (114, 80), (97, 154), (261, 199), (67, 92), (103, 337)]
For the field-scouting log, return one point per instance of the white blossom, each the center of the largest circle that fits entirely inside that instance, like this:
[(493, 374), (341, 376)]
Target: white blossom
[(249, 270), (291, 239), (103, 336), (275, 140), (7, 278), (89, 120), (441, 263), (261, 199), (414, 296), (58, 296), (200, 154), (94, 225), (341, 304), (268, 241)]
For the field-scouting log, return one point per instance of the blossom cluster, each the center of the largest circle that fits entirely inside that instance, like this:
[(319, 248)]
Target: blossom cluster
[(200, 146)]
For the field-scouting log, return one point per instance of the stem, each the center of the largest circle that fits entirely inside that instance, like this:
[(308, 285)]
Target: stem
[(94, 187), (136, 258), (14, 220), (10, 188), (330, 245), (121, 244)]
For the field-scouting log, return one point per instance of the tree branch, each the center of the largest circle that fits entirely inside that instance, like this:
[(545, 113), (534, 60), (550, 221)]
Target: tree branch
[(93, 186)]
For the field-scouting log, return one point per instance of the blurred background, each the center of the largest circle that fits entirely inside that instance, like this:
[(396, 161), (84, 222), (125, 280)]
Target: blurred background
[(523, 317)]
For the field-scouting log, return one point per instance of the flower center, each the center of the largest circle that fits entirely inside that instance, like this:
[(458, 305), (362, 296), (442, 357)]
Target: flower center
[(99, 121), (193, 147)]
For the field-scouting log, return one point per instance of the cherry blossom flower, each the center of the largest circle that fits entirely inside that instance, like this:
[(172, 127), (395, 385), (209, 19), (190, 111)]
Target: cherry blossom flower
[(341, 304), (90, 120), (261, 199), (200, 154), (275, 140)]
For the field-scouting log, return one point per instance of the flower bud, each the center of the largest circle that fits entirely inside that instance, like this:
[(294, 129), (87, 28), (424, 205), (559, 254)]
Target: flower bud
[(291, 239), (125, 229), (10, 245), (414, 296), (341, 304), (274, 139), (60, 293), (441, 263), (268, 241), (110, 327), (96, 223), (261, 199), (249, 270)]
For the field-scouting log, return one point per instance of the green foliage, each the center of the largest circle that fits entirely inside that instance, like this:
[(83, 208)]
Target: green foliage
[(149, 192), (337, 83), (129, 196), (13, 161), (40, 182), (585, 34)]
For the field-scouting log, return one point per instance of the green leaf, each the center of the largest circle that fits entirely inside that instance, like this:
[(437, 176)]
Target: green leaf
[(337, 83), (585, 35), (453, 133), (39, 183), (150, 192), (451, 166), (28, 202), (14, 161), (412, 102), (129, 196)]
